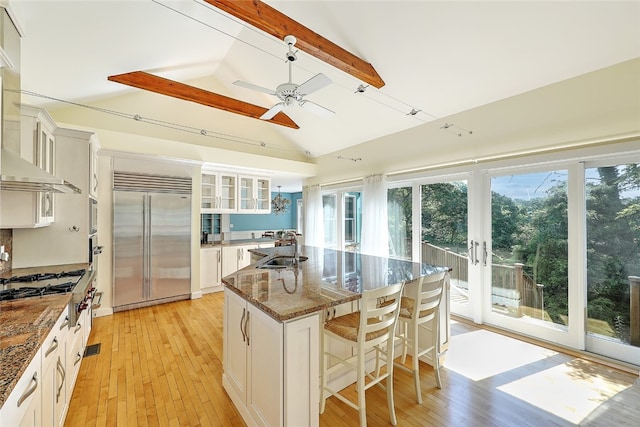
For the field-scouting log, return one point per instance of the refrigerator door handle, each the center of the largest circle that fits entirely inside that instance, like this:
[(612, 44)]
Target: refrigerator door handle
[(149, 246)]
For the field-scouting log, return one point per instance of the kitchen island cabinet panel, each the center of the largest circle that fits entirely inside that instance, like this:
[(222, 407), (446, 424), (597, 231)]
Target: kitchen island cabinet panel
[(265, 360)]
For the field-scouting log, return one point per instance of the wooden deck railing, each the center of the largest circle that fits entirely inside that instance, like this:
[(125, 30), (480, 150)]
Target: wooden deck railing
[(511, 286)]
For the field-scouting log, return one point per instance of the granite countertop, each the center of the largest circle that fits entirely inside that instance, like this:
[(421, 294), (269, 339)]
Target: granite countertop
[(327, 278), (24, 325)]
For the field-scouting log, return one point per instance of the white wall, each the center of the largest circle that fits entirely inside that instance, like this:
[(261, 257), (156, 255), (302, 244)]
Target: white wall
[(596, 108)]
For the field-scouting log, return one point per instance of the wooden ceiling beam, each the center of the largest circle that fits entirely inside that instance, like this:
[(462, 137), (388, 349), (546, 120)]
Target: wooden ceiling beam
[(153, 83), (269, 20)]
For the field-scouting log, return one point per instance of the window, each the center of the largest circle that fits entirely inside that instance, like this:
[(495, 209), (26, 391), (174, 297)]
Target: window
[(400, 223), (330, 215), (349, 219)]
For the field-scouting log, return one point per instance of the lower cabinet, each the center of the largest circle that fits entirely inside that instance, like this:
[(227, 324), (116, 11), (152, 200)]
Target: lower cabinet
[(23, 407), (210, 267), (42, 395), (54, 375), (235, 257), (270, 367)]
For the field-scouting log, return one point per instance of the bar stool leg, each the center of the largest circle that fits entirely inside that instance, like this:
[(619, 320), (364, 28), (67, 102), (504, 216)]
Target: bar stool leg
[(360, 387), (392, 408), (416, 362), (323, 373)]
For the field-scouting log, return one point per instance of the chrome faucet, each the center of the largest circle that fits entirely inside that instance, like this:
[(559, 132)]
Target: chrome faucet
[(296, 254)]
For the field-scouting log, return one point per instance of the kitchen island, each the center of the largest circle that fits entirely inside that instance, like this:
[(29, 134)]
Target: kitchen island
[(272, 325)]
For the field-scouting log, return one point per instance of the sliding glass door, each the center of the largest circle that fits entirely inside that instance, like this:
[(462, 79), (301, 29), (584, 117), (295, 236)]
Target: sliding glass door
[(526, 259), (443, 232), (613, 260)]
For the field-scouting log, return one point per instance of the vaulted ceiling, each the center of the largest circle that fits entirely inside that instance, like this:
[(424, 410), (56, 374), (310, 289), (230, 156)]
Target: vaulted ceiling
[(436, 58)]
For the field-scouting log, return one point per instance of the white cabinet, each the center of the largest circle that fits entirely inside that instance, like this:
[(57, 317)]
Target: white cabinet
[(94, 146), (45, 159), (235, 257), (37, 146), (255, 194), (219, 192), (75, 151), (23, 406), (210, 267), (270, 368), (54, 388), (223, 192), (75, 350)]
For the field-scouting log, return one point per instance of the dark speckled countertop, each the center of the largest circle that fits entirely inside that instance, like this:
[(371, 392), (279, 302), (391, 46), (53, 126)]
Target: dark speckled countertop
[(24, 325), (327, 278)]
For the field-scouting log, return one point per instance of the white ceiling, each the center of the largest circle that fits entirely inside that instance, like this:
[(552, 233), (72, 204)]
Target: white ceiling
[(437, 57)]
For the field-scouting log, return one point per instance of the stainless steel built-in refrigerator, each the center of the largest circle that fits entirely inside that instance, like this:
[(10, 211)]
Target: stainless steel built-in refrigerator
[(151, 240)]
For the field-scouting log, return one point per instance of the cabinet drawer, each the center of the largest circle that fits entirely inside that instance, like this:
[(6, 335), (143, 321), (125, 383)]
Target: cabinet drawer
[(55, 342)]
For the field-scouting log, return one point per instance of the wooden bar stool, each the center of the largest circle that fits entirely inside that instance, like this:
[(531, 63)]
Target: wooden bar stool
[(365, 331), (420, 309)]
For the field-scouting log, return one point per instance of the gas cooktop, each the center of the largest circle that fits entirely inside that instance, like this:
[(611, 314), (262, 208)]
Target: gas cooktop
[(39, 284)]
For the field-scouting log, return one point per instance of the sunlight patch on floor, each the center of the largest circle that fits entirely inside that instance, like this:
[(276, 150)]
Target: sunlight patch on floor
[(568, 390), (482, 354)]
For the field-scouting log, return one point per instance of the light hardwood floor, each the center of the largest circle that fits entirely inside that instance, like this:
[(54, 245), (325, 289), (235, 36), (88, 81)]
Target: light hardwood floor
[(162, 366)]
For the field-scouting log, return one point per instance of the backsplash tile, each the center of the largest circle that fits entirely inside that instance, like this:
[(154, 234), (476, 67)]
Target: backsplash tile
[(6, 239)]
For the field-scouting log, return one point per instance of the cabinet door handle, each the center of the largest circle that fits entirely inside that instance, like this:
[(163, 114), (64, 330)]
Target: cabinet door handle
[(29, 392), (246, 327), (78, 358), (219, 256), (65, 323), (53, 347), (242, 324), (78, 326), (95, 180), (63, 376)]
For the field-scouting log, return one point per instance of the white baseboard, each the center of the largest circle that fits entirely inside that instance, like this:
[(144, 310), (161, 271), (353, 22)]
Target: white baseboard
[(196, 294), (212, 289), (103, 311)]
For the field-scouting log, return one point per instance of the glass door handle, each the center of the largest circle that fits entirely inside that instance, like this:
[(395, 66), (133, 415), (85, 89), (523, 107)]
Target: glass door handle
[(484, 253)]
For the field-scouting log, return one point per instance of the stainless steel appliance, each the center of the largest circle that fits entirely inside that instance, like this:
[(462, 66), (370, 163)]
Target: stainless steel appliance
[(78, 282), (151, 240)]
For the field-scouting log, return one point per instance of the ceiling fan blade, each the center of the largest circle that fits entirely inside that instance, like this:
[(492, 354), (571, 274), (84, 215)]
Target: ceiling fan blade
[(271, 21), (316, 109), (315, 83), (272, 111), (254, 87), (150, 82)]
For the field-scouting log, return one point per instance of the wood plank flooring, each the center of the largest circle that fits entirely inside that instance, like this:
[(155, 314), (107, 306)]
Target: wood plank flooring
[(162, 366)]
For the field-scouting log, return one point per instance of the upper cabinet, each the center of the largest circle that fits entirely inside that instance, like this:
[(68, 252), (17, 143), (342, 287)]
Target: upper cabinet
[(40, 128), (255, 194), (224, 192), (37, 146), (219, 192)]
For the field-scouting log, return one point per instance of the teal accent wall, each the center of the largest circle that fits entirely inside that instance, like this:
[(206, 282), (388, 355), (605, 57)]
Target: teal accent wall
[(287, 221)]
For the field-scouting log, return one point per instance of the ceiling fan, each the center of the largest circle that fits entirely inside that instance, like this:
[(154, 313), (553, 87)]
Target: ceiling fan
[(291, 93)]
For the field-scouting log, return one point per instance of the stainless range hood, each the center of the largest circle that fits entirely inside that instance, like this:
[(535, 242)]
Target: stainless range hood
[(20, 175)]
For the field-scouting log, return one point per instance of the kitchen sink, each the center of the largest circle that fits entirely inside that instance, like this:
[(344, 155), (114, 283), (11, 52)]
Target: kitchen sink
[(281, 262)]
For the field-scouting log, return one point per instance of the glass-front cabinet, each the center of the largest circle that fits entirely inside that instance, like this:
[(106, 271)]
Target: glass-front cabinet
[(255, 194), (219, 192)]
